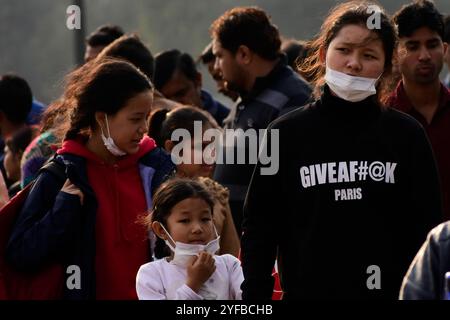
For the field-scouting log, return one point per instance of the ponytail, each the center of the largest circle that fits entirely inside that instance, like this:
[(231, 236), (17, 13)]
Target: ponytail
[(77, 124), (155, 126)]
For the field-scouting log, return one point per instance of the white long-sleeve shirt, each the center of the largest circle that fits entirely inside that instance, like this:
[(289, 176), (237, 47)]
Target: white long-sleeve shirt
[(162, 280)]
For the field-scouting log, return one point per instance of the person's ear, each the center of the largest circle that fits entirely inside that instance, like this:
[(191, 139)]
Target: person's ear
[(158, 230), (168, 145), (244, 55), (446, 48)]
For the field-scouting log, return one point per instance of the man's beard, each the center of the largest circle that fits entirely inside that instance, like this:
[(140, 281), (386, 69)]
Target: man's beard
[(234, 87), (426, 79)]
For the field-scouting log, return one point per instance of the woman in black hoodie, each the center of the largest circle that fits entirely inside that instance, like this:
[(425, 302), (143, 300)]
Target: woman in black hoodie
[(357, 188)]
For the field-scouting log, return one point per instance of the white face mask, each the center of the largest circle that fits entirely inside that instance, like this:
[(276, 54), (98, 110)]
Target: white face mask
[(183, 252), (348, 87), (109, 142)]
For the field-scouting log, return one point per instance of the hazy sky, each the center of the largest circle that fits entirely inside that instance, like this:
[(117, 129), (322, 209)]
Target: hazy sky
[(37, 45)]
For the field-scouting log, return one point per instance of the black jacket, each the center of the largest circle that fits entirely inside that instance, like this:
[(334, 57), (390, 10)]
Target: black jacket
[(281, 91), (357, 187)]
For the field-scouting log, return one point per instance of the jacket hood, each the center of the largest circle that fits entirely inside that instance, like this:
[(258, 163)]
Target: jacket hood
[(77, 147)]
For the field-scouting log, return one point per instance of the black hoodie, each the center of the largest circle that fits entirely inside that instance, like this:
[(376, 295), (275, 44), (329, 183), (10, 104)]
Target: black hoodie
[(355, 195)]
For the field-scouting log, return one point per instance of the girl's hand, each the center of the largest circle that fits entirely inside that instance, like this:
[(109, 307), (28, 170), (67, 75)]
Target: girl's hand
[(70, 188), (199, 270)]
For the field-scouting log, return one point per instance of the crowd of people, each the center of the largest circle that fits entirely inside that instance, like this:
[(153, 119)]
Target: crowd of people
[(362, 122)]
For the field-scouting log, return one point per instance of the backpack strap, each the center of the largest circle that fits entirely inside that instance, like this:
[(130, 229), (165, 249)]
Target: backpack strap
[(55, 167)]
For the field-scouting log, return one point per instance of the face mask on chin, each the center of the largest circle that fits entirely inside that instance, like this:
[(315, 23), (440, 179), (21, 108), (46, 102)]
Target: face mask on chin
[(183, 252), (350, 88), (109, 142)]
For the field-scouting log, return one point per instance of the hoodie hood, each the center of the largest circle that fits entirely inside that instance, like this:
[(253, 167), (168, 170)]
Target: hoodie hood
[(77, 147)]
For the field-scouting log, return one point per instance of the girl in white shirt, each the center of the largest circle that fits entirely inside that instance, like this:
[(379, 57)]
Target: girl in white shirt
[(182, 219)]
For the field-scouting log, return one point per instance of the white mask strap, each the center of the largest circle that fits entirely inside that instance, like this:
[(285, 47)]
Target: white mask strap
[(101, 129), (107, 126), (215, 230), (167, 233)]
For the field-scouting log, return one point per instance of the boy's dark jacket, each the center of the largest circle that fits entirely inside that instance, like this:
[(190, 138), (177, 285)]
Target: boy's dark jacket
[(68, 236)]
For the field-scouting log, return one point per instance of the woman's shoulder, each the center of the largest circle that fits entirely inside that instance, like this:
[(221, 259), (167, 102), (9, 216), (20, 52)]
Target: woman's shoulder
[(297, 118), (401, 127), (400, 119)]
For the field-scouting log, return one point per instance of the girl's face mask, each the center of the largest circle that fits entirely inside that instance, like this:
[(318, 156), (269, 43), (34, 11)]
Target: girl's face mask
[(348, 87), (183, 252), (109, 142)]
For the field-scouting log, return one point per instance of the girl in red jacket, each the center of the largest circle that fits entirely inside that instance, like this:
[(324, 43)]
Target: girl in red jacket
[(112, 169)]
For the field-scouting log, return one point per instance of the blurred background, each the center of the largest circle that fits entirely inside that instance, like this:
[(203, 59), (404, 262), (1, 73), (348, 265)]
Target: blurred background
[(37, 45)]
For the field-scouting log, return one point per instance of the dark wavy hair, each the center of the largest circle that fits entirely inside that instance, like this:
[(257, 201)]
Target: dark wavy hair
[(104, 35), (350, 13), (130, 47), (248, 26), (416, 15), (104, 85)]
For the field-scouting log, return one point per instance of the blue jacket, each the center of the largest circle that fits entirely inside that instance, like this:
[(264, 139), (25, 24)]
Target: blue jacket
[(35, 115), (53, 227)]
